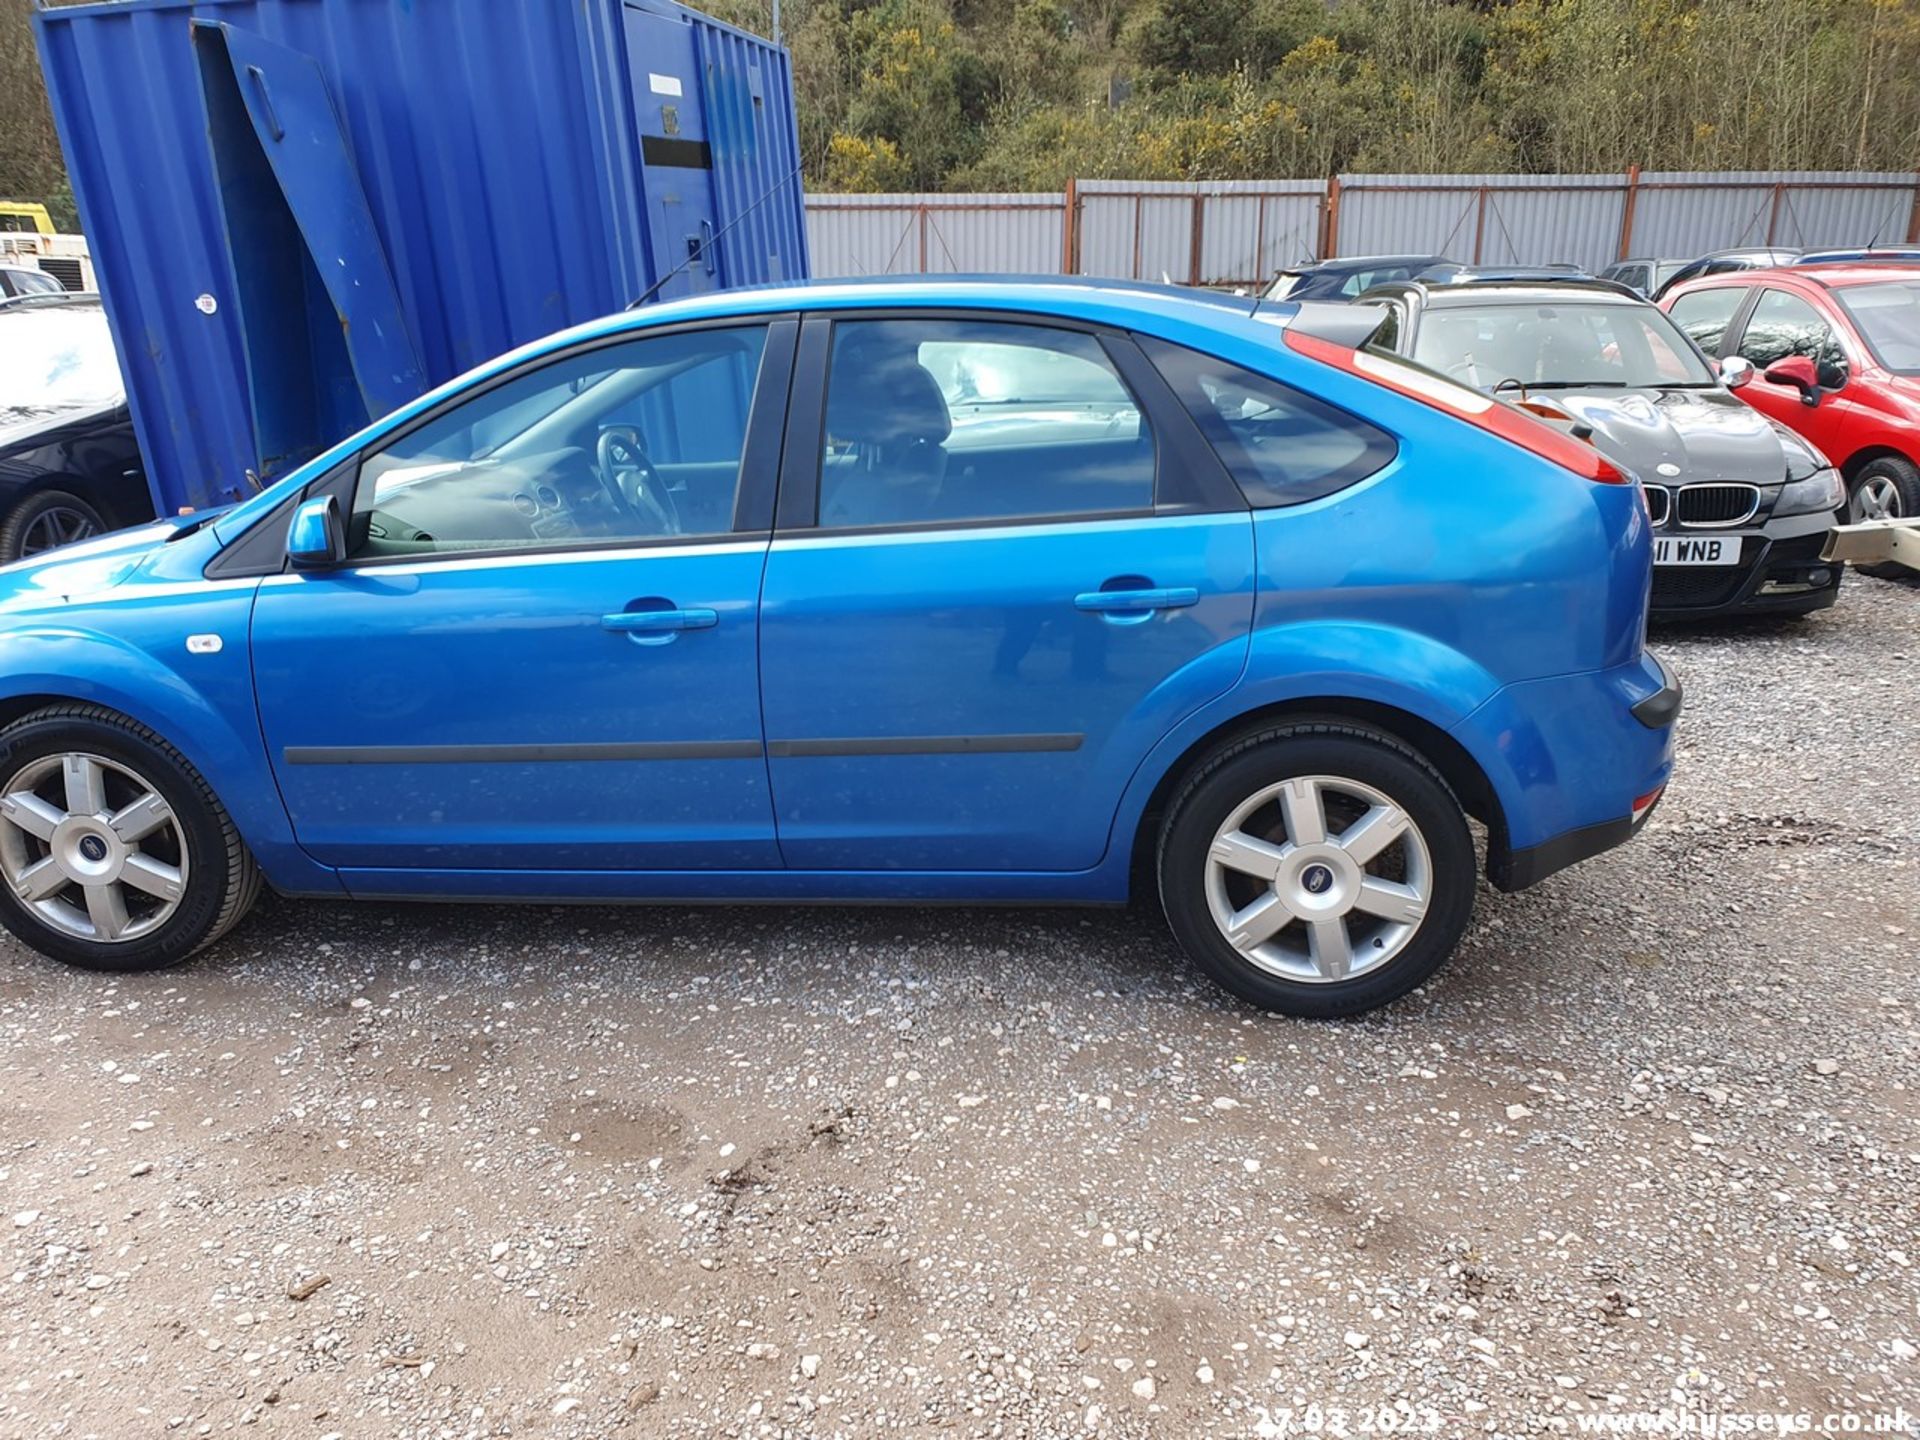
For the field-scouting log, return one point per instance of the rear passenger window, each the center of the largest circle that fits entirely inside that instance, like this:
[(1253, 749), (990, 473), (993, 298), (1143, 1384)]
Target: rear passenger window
[(1705, 314), (935, 421), (1282, 446)]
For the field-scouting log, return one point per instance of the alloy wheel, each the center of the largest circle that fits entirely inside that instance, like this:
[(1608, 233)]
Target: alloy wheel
[(1319, 879), (1875, 498), (53, 527), (92, 849)]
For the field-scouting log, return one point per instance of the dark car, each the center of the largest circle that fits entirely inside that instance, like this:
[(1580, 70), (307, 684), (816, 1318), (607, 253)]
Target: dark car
[(1346, 277), (17, 280), (1719, 262), (1741, 505), (1863, 255), (1643, 273), (69, 464)]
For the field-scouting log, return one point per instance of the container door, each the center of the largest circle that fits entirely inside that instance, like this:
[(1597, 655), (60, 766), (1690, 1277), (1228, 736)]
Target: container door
[(681, 214), (327, 348)]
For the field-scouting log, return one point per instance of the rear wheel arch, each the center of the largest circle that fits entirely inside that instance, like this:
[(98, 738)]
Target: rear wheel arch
[(1445, 754)]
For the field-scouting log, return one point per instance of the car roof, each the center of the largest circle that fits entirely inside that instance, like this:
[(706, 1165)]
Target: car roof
[(1510, 292), (921, 291), (1828, 275), (1837, 275), (49, 300), (1355, 262)]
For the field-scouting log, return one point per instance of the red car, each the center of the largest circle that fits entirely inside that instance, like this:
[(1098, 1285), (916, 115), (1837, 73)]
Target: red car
[(1835, 355)]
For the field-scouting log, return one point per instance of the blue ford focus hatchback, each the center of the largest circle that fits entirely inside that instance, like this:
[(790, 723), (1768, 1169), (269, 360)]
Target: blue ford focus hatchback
[(914, 591)]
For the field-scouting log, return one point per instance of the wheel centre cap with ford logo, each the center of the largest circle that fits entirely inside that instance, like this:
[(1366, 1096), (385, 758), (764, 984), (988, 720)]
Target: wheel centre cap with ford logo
[(93, 848), (1316, 879)]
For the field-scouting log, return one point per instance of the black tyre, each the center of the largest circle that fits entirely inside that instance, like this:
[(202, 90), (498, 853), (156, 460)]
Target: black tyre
[(1884, 489), (46, 520), (114, 853), (1317, 869)]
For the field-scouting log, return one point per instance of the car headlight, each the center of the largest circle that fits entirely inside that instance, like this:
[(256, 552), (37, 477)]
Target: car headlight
[(1811, 494)]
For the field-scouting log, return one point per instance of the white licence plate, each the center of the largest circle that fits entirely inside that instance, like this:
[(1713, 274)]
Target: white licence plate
[(1689, 550)]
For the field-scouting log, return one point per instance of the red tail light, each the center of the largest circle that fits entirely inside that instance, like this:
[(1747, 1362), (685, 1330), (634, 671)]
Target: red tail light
[(1496, 417)]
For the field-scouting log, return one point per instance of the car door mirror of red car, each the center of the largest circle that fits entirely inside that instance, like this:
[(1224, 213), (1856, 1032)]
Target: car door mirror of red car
[(1797, 371)]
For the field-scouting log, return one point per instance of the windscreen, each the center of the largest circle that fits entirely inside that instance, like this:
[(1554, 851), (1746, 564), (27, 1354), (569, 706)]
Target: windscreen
[(56, 358), (1887, 314), (1559, 345)]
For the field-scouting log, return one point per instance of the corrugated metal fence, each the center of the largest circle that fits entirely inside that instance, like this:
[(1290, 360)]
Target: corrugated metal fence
[(1237, 232)]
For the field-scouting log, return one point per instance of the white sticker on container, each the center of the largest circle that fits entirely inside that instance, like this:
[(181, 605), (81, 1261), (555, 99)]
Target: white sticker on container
[(664, 84), (206, 304)]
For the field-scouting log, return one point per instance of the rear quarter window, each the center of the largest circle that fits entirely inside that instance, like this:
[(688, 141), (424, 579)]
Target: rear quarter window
[(1282, 446)]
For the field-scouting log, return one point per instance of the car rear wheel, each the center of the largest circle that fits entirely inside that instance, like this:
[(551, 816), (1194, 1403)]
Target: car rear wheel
[(46, 520), (1317, 869), (114, 853)]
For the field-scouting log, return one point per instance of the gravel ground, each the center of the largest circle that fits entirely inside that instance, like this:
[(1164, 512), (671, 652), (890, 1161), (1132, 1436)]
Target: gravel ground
[(1649, 1141)]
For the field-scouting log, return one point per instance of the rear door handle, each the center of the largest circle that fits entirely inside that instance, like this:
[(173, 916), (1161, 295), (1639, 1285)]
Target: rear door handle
[(657, 622), (1136, 602)]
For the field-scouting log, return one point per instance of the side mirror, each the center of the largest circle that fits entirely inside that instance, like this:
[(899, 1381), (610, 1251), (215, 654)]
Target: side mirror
[(316, 539), (1735, 371), (1797, 371)]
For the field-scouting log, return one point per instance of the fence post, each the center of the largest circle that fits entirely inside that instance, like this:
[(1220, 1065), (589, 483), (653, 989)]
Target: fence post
[(1773, 216), (923, 239), (1626, 212), (1330, 220), (1199, 224), (1913, 220), (1070, 231), (1479, 223), (1260, 244)]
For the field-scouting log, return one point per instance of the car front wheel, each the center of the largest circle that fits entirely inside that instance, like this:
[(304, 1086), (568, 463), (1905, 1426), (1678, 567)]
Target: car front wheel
[(1885, 489), (1317, 869), (114, 853)]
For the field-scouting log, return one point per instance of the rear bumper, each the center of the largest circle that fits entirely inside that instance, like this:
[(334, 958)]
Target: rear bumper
[(1571, 756), (1780, 572), (1517, 869)]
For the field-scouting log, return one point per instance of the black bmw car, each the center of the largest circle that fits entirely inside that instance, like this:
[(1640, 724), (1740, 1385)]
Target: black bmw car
[(1741, 506), (69, 464)]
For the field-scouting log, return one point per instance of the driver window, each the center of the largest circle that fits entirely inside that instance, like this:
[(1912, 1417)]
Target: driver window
[(1784, 325), (635, 441)]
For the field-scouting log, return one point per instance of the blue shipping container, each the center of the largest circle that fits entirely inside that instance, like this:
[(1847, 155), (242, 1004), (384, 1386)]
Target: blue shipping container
[(304, 212)]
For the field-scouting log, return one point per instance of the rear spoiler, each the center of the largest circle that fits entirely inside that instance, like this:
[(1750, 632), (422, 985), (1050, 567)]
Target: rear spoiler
[(1347, 325)]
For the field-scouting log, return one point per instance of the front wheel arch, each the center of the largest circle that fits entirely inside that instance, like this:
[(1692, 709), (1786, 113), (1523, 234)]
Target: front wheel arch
[(1851, 467), (1440, 750)]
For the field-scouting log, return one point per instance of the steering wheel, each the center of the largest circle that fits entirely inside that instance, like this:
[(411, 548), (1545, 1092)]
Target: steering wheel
[(629, 476)]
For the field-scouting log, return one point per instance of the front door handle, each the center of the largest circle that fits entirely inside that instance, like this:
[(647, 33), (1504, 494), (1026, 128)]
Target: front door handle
[(1136, 602), (659, 622)]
